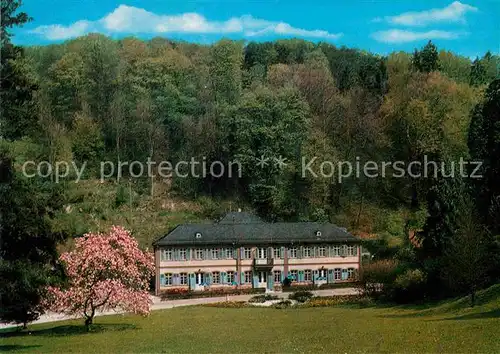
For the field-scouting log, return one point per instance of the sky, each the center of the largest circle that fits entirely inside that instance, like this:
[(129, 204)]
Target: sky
[(469, 28)]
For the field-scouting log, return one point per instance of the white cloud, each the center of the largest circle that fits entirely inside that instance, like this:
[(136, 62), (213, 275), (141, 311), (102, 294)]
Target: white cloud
[(58, 32), (403, 36), (129, 19), (455, 12)]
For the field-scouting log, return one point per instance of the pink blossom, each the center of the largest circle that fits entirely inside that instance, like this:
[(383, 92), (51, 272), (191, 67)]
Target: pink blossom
[(105, 272)]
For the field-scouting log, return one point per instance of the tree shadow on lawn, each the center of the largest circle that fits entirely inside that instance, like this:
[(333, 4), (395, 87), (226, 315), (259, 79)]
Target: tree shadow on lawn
[(69, 330), (16, 347), (474, 316)]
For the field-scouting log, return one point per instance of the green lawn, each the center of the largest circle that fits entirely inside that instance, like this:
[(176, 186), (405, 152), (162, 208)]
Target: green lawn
[(450, 327)]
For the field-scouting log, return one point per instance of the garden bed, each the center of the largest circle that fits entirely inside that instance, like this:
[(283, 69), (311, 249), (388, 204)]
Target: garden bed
[(177, 294)]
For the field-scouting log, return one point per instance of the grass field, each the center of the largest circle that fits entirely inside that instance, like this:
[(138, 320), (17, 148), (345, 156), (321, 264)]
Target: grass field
[(451, 327)]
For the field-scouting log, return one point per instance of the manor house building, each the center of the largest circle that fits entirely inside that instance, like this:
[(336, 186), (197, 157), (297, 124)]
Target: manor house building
[(241, 250)]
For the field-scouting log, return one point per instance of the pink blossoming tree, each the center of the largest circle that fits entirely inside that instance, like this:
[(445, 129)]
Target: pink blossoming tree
[(105, 271)]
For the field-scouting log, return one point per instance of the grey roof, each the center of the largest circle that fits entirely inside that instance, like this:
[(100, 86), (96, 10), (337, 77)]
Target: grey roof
[(252, 233)]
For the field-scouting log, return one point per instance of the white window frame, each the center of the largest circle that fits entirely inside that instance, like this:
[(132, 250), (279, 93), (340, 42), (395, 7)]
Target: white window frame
[(307, 252), (277, 252), (306, 277), (198, 253), (247, 253), (182, 254), (230, 276), (350, 273), (336, 250), (168, 278), (321, 251), (350, 250), (215, 277), (277, 276), (214, 252), (293, 252), (262, 253), (337, 274), (229, 253), (168, 254), (295, 274), (248, 276), (322, 273), (183, 278)]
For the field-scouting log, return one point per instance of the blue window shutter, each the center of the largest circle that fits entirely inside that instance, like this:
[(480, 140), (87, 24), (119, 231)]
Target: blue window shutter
[(242, 253), (282, 276), (330, 275), (255, 281), (223, 277), (242, 280), (188, 254), (316, 274), (300, 275), (344, 274), (208, 253), (235, 253), (162, 279), (300, 252), (237, 277), (282, 253), (314, 251)]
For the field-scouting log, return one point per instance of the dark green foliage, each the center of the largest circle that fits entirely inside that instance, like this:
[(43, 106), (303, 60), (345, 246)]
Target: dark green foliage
[(427, 59), (28, 245), (484, 145), (301, 295), (16, 96)]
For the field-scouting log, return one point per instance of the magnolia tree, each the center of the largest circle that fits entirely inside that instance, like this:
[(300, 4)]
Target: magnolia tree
[(105, 272)]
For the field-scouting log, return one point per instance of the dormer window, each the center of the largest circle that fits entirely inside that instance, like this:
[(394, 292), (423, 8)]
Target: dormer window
[(198, 235), (318, 234)]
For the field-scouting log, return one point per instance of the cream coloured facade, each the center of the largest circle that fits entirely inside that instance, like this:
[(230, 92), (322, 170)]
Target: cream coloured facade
[(243, 251)]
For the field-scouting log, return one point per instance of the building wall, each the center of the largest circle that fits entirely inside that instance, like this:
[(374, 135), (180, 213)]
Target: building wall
[(284, 264)]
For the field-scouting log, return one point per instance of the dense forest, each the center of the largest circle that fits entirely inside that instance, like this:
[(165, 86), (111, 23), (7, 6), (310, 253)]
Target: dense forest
[(96, 99)]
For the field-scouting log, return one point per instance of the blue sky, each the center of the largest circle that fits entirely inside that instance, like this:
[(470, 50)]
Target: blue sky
[(469, 27)]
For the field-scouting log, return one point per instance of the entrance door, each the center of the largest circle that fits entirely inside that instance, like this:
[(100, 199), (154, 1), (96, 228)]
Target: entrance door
[(262, 276), (199, 279)]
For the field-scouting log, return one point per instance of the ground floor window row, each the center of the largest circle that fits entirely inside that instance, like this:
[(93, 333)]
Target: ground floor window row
[(248, 277)]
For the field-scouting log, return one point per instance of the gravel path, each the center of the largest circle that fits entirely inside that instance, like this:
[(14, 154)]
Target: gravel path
[(161, 305)]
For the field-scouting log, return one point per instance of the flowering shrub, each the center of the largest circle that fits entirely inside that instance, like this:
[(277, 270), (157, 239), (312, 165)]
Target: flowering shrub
[(336, 300), (283, 304), (105, 272), (228, 304), (263, 298), (183, 293), (301, 295)]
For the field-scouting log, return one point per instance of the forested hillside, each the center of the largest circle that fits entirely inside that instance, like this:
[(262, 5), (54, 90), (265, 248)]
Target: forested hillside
[(99, 99)]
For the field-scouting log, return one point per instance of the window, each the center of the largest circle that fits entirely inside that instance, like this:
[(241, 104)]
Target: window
[(337, 274), (262, 277), (321, 251), (307, 275), (167, 255), (230, 277), (168, 279), (336, 251), (262, 253), (215, 253), (277, 276), (199, 278), (184, 278), (229, 253), (350, 250), (248, 276), (198, 253), (322, 273), (277, 252), (293, 252), (307, 252), (182, 254), (215, 277), (294, 274), (247, 253), (350, 273)]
